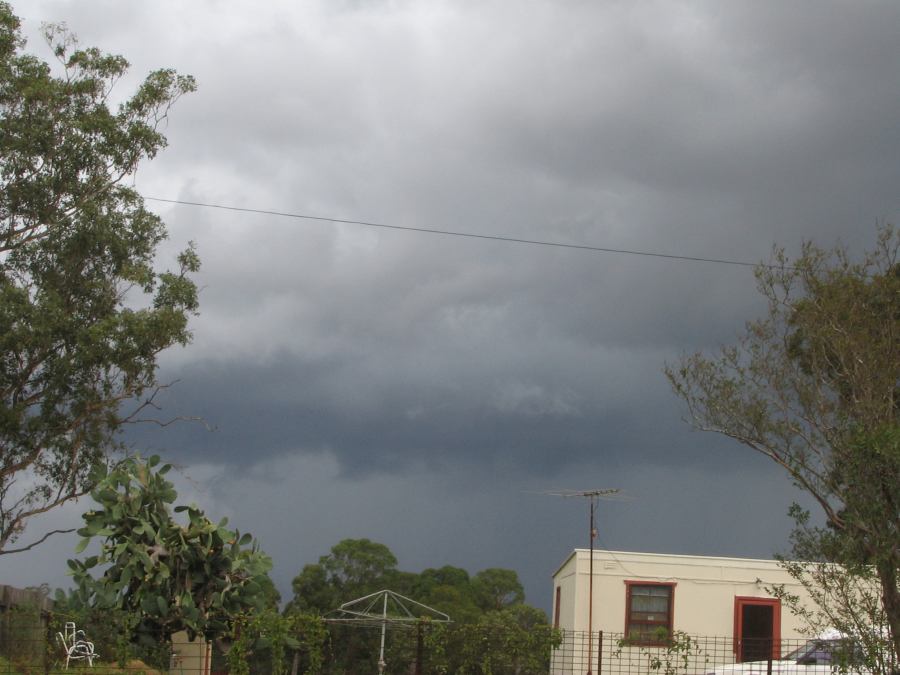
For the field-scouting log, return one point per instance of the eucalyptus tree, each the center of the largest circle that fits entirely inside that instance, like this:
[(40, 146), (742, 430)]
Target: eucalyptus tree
[(814, 385), (83, 310)]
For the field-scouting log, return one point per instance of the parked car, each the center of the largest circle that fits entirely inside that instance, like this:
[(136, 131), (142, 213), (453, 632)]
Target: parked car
[(822, 655)]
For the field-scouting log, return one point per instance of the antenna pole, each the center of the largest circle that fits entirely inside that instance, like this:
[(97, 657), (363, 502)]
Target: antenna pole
[(593, 495), (591, 593)]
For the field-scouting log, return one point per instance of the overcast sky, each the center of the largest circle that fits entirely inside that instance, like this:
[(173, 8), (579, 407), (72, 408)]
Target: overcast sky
[(423, 390)]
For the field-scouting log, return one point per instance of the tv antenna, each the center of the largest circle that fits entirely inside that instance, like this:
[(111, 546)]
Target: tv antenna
[(592, 496)]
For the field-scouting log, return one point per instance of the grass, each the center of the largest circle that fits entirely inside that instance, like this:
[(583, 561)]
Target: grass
[(133, 668)]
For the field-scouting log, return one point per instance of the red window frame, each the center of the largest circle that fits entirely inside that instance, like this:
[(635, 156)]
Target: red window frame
[(670, 615)]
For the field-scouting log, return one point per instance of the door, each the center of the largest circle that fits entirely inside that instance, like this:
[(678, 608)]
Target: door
[(757, 628)]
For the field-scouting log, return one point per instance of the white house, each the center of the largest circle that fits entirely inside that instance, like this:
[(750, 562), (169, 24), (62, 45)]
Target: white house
[(641, 596)]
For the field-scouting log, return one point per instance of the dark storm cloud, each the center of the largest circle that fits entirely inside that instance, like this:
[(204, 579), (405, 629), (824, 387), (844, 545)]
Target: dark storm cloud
[(351, 372), (539, 420)]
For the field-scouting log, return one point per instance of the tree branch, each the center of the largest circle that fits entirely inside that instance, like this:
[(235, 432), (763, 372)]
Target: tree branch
[(39, 541)]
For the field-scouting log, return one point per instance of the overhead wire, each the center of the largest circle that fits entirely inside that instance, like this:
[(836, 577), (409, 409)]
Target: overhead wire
[(456, 233)]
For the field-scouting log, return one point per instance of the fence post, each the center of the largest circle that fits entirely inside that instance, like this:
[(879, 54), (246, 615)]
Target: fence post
[(600, 653), (420, 648)]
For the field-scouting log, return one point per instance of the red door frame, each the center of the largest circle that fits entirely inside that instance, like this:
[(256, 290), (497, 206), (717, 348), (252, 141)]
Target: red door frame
[(742, 601)]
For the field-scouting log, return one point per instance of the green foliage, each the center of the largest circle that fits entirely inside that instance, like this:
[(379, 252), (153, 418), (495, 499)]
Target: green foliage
[(195, 577), (239, 649), (497, 588), (271, 598), (450, 589), (261, 643), (678, 653), (515, 643), (353, 568), (448, 575), (498, 644), (436, 646), (455, 601), (493, 631), (83, 312), (22, 635), (313, 594), (111, 631), (133, 668), (842, 572), (815, 386), (356, 567), (311, 638)]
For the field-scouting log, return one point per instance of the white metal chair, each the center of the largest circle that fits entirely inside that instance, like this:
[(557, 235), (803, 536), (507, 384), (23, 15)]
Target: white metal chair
[(76, 646)]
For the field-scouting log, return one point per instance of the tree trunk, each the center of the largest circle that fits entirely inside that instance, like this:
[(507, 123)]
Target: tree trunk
[(890, 598)]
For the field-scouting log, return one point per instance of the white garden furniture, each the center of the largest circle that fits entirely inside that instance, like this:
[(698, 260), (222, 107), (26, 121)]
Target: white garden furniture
[(76, 646)]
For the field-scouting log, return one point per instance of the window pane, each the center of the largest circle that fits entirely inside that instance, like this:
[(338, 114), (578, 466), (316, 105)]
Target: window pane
[(648, 604), (651, 590), (649, 615), (650, 598)]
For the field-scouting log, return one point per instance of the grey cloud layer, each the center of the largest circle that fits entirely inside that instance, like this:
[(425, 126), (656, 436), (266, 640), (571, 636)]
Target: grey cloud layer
[(348, 359)]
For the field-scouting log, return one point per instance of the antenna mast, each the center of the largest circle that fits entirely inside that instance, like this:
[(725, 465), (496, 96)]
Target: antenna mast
[(593, 496)]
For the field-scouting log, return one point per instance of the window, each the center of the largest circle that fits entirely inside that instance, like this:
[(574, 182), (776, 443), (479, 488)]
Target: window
[(648, 612)]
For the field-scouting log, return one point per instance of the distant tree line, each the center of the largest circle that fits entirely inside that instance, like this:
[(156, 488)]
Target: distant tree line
[(357, 567), (491, 629)]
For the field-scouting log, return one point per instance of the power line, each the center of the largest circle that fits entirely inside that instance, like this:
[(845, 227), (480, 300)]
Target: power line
[(454, 233)]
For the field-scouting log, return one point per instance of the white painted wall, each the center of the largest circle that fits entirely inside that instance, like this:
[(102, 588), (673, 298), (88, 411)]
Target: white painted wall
[(703, 598)]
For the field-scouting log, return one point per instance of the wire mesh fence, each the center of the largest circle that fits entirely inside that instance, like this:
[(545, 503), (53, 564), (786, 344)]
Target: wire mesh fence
[(36, 642), (682, 654), (32, 645)]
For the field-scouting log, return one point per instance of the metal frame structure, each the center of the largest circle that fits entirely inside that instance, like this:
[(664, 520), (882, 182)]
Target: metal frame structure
[(395, 609)]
